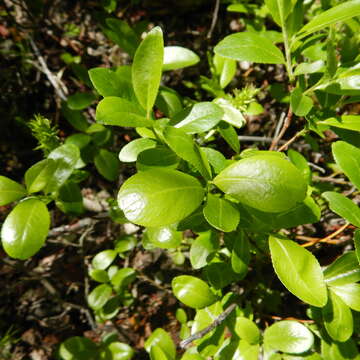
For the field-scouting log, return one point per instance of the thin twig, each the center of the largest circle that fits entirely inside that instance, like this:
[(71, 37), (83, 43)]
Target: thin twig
[(289, 142), (221, 318), (71, 228), (265, 139), (330, 180), (274, 317), (286, 125), (214, 19)]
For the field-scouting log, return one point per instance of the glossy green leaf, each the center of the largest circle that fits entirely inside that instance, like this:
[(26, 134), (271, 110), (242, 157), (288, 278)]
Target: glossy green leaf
[(247, 330), (164, 237), (107, 164), (75, 118), (177, 57), (309, 68), (232, 115), (344, 270), (120, 351), (288, 336), (349, 294), (122, 278), (199, 118), (220, 274), (156, 353), (347, 157), (147, 68), (103, 259), (159, 197), (100, 135), (343, 206), (216, 159), (66, 157), (99, 296), (337, 318), (348, 122), (69, 199), (300, 103), (160, 338), (169, 101), (25, 229), (299, 271), (301, 163), (205, 244), (249, 46), (181, 316), (125, 243), (279, 10), (246, 351), (230, 136), (130, 151), (78, 348), (10, 190), (221, 213), (225, 69), (240, 254), (185, 147), (158, 157), (192, 291), (120, 112), (79, 140), (266, 183), (99, 275), (341, 12), (357, 244), (80, 101)]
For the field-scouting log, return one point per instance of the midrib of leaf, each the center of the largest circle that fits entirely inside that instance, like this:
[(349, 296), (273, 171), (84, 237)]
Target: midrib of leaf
[(260, 49), (356, 164), (26, 227), (342, 275), (220, 213)]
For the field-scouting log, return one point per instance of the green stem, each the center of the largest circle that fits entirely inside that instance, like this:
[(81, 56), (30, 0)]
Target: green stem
[(287, 54)]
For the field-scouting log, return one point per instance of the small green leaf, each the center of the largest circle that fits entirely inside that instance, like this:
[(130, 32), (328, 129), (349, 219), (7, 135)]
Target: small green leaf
[(349, 294), (279, 10), (301, 163), (25, 229), (99, 275), (338, 13), (299, 271), (79, 140), (99, 296), (288, 336), (348, 122), (130, 151), (232, 115), (266, 183), (309, 68), (164, 237), (300, 103), (246, 351), (216, 159), (240, 254), (125, 243), (249, 46), (337, 318), (122, 278), (192, 291), (147, 68), (205, 244), (181, 316), (159, 197), (225, 69), (247, 330), (120, 351), (221, 213), (177, 57), (169, 101), (357, 244), (160, 338), (156, 353), (230, 136), (103, 259), (199, 118), (347, 157), (107, 164), (10, 191), (80, 101), (158, 157), (220, 274), (120, 112), (344, 270), (343, 206), (69, 199), (78, 348)]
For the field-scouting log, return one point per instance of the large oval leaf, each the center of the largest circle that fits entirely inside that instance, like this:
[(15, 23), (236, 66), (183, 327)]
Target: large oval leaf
[(177, 57), (25, 229), (192, 291), (10, 191), (159, 197), (349, 294), (299, 271), (147, 68), (267, 183), (288, 336), (107, 164), (249, 46)]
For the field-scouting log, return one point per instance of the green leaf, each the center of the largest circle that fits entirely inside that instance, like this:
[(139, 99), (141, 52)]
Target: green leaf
[(288, 336), (343, 206), (279, 10), (168, 101), (122, 278), (80, 101), (225, 69), (221, 213), (120, 351), (240, 254), (185, 147), (347, 157), (199, 118), (344, 270), (103, 259), (159, 197), (348, 122), (177, 57), (10, 191), (25, 229), (230, 136), (337, 318), (249, 46), (309, 68), (147, 68), (266, 183), (220, 274), (158, 157), (107, 164), (300, 103), (125, 243), (301, 163), (349, 294), (120, 112), (205, 244), (357, 243), (99, 296), (66, 157), (192, 291), (69, 199), (232, 115), (349, 85), (160, 338), (246, 351), (164, 237), (216, 159), (78, 348), (299, 271), (247, 330), (338, 13), (156, 353), (99, 275), (130, 151), (79, 140), (75, 118)]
